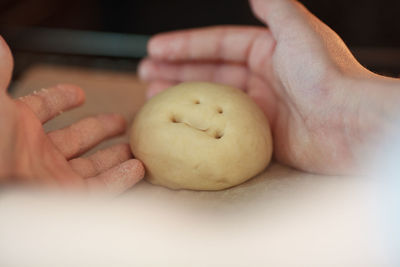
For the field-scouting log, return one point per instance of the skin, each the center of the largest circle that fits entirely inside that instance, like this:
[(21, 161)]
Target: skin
[(323, 106), (28, 154)]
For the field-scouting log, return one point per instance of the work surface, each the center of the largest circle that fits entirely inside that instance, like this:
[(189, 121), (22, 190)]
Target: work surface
[(282, 217)]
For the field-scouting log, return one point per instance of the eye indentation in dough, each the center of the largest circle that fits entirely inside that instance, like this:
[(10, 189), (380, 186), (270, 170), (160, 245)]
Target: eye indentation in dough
[(174, 119), (218, 135), (220, 110), (197, 102)]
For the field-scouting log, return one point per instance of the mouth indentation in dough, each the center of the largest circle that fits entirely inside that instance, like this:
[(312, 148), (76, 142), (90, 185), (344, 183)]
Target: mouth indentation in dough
[(220, 110), (197, 102), (215, 134), (196, 128)]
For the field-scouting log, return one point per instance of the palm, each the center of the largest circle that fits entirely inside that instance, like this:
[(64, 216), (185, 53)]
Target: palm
[(301, 92), (38, 155), (53, 158)]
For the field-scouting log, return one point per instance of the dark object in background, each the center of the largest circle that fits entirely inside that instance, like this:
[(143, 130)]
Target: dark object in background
[(370, 27), (358, 22)]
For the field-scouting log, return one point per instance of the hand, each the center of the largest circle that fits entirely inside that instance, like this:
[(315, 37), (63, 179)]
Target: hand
[(298, 71), (28, 153)]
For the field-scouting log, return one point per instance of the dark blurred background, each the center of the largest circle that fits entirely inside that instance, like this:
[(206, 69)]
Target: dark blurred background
[(113, 34)]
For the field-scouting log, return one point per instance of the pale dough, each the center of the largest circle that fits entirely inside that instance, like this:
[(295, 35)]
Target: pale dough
[(201, 136)]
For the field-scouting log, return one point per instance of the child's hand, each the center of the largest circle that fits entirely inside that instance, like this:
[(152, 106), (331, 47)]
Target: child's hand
[(30, 154)]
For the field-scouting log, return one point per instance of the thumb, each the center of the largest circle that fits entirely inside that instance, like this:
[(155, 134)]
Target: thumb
[(289, 21), (6, 65), (285, 18)]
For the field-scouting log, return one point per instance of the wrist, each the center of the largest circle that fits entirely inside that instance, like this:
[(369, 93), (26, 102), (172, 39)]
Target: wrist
[(376, 110)]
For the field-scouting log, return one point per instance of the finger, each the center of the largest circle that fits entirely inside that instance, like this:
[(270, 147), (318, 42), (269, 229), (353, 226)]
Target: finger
[(48, 103), (158, 86), (101, 160), (78, 138), (222, 43), (6, 65), (230, 74), (285, 18), (119, 178)]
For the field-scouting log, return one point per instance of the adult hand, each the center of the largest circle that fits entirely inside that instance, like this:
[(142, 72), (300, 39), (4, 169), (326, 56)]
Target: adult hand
[(28, 153), (298, 71)]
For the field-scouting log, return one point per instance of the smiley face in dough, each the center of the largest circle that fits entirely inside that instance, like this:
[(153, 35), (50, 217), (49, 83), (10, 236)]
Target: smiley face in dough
[(201, 136)]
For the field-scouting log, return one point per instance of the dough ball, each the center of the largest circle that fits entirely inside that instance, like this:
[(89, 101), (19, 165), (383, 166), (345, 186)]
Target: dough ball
[(201, 136)]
